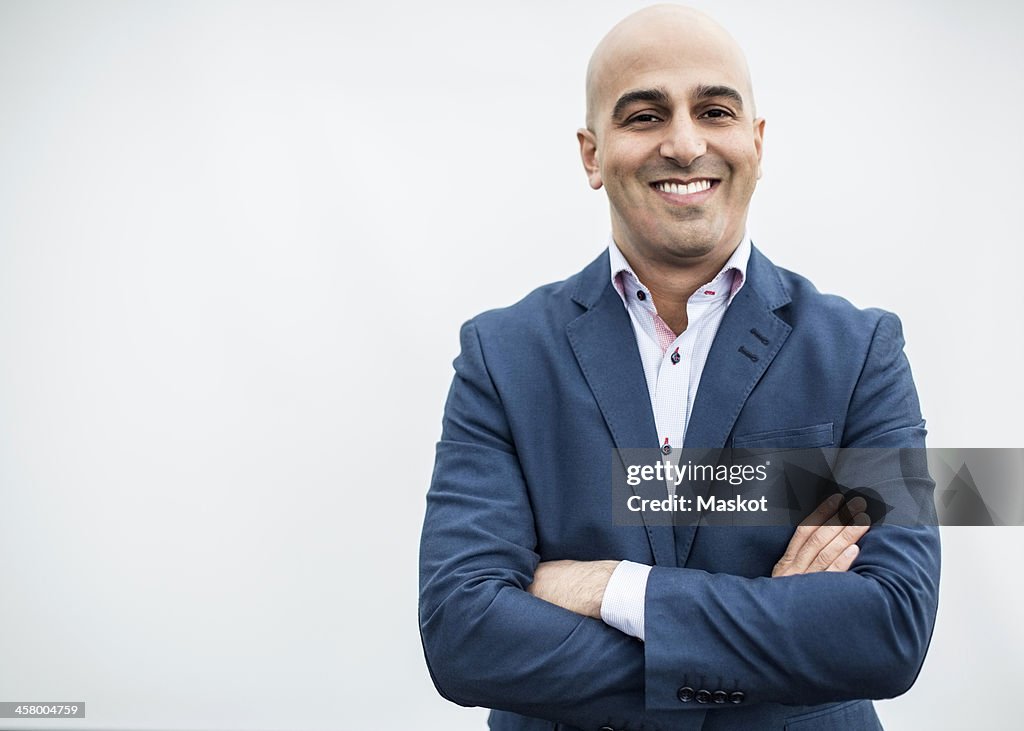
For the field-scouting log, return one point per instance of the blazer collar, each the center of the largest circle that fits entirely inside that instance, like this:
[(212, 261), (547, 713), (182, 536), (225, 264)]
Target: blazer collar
[(762, 276), (592, 281)]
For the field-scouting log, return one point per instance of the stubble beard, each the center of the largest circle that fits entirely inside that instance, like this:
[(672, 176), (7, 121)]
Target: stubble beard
[(679, 243)]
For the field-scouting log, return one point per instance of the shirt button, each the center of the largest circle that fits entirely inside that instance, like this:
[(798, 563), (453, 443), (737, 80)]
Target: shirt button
[(676, 357), (640, 295)]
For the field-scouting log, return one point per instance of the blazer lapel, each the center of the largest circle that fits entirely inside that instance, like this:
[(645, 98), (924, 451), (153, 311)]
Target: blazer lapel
[(747, 341), (605, 347)]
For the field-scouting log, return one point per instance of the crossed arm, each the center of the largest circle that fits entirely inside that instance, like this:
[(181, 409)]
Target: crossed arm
[(826, 541)]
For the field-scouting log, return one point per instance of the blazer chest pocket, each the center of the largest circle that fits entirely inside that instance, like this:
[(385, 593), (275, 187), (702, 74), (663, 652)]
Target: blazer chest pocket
[(804, 437)]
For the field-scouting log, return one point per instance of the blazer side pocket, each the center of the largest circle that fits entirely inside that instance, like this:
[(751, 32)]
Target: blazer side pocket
[(804, 437)]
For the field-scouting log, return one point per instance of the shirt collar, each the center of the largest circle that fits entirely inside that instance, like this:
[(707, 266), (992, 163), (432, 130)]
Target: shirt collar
[(731, 277)]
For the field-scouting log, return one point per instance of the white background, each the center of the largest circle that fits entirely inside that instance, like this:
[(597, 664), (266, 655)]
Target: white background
[(236, 244)]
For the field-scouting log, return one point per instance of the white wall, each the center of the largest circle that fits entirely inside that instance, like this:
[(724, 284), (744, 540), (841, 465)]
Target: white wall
[(236, 243)]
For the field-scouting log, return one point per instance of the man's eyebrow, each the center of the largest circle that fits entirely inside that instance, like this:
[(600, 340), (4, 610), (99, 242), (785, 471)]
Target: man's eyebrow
[(656, 95), (709, 92)]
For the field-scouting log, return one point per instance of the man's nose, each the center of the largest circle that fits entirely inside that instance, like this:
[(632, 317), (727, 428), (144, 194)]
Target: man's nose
[(684, 141)]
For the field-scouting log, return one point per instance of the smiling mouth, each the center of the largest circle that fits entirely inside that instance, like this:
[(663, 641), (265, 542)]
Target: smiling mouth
[(678, 187)]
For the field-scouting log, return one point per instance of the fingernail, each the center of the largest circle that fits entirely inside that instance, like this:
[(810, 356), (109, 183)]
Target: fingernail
[(851, 551)]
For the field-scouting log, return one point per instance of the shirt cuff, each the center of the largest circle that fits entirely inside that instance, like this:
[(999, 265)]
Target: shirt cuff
[(623, 603)]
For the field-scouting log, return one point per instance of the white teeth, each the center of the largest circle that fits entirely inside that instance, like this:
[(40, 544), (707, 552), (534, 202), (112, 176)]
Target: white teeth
[(696, 186)]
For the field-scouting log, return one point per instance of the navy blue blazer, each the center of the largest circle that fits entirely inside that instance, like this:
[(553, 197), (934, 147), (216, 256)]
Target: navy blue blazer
[(543, 392)]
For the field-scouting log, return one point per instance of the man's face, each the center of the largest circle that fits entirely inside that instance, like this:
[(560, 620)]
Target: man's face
[(673, 141)]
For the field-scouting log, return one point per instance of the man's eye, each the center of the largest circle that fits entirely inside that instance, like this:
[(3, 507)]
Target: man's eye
[(644, 118), (717, 114)]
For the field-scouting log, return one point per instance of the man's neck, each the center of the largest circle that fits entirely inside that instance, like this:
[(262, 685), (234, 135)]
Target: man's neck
[(672, 286)]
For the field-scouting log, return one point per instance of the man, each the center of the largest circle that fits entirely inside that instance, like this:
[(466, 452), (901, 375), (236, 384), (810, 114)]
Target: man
[(682, 333)]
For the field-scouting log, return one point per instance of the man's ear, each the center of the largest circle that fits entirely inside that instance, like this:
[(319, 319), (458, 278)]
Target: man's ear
[(588, 153), (758, 142)]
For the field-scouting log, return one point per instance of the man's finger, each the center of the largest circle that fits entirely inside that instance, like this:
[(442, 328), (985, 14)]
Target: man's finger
[(846, 537), (847, 511), (852, 509), (846, 559), (828, 508), (821, 541)]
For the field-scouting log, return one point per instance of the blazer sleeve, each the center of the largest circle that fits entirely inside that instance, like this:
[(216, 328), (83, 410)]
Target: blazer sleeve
[(487, 641), (820, 637)]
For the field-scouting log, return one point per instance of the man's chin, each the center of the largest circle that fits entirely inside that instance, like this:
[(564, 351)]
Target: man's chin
[(691, 244), (675, 243)]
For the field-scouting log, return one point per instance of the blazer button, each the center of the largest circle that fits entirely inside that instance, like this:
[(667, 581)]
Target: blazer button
[(736, 697), (685, 694), (719, 696), (606, 728), (703, 696)]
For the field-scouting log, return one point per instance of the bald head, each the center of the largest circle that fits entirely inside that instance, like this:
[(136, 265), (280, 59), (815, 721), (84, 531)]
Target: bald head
[(656, 32)]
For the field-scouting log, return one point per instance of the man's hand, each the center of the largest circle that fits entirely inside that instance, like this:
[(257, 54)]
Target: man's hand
[(827, 539), (574, 585)]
